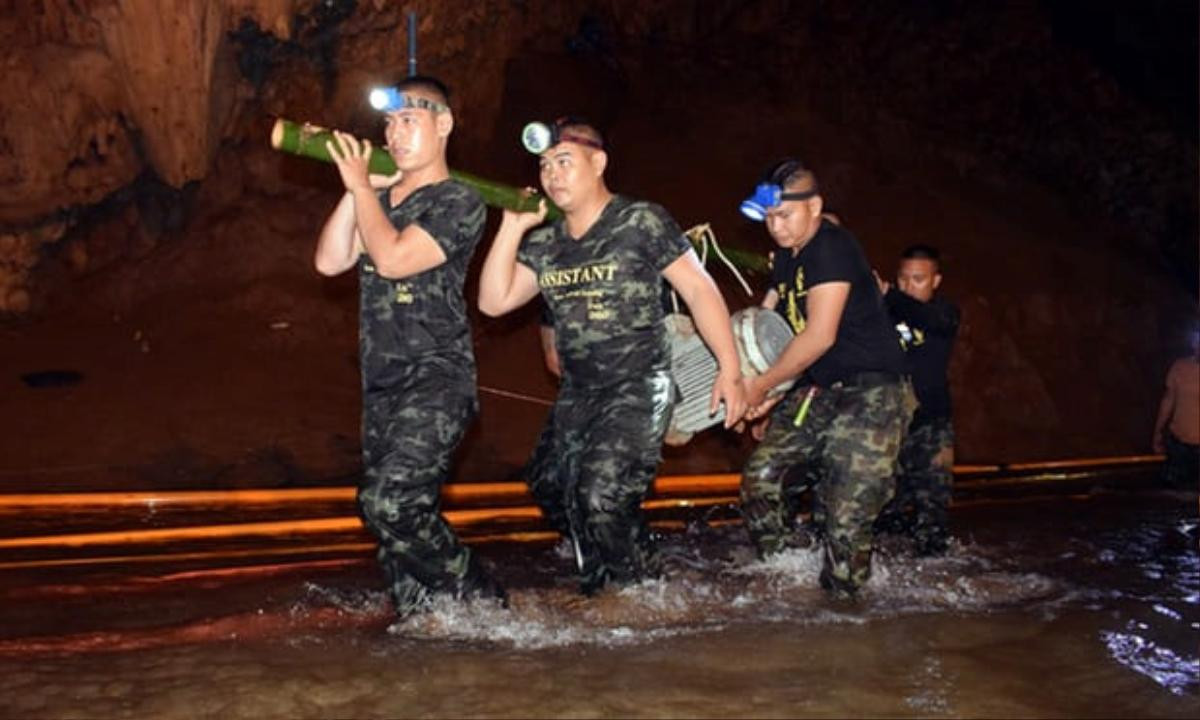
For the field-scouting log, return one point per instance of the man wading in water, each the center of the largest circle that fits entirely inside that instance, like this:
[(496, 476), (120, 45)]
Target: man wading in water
[(411, 243), (600, 269), (842, 423)]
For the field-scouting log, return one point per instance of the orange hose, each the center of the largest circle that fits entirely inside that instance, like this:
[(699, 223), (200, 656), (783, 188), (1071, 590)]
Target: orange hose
[(974, 469), (460, 493), (362, 547), (452, 494), (1085, 462), (204, 532), (312, 526), (178, 497)]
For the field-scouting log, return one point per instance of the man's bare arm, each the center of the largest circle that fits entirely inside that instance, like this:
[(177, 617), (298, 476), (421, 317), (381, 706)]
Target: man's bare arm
[(826, 303), (395, 253), (338, 245), (770, 300), (711, 315), (504, 283), (1166, 408), (550, 350)]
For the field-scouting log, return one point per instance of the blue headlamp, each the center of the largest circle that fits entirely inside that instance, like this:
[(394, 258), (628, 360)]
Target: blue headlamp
[(389, 99), (767, 196)]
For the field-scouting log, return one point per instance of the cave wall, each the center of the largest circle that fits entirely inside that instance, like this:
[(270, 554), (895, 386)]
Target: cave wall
[(120, 115), (101, 93)]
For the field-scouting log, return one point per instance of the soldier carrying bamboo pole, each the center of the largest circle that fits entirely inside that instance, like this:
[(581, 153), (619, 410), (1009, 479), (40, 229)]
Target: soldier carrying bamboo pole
[(411, 237), (600, 270)]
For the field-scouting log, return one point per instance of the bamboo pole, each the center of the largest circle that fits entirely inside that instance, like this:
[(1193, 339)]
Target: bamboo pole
[(309, 141)]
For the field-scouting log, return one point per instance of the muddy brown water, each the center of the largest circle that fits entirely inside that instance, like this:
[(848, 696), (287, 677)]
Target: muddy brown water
[(1087, 606)]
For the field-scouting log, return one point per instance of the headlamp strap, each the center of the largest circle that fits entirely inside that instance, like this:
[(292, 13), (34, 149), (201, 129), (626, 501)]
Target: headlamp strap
[(404, 100), (798, 195), (569, 136)]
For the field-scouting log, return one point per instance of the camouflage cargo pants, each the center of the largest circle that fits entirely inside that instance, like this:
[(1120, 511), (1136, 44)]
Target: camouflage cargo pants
[(920, 508), (594, 464), (544, 482), (853, 436), (409, 436)]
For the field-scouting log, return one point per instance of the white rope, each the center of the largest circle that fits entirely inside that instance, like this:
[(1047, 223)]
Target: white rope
[(517, 396), (704, 235)]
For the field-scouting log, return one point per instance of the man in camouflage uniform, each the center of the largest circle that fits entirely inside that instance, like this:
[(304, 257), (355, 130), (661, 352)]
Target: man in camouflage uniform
[(541, 471), (412, 242), (927, 325), (599, 269), (843, 421)]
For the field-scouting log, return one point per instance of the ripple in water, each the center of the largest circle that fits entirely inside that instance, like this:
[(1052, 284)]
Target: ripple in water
[(1177, 674), (703, 594)]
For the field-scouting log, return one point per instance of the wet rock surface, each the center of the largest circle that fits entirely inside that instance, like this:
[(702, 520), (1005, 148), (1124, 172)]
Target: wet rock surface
[(152, 242)]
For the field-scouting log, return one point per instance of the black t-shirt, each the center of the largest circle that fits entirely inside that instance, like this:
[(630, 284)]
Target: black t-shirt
[(603, 290), (866, 340), (425, 314), (927, 331)]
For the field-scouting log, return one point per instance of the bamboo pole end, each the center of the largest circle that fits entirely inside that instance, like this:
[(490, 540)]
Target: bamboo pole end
[(277, 131)]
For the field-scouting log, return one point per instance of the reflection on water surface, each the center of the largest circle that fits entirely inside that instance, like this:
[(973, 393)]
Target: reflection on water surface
[(1067, 607)]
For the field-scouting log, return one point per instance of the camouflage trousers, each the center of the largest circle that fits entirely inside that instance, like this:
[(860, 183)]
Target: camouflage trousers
[(593, 465), (920, 508), (410, 433), (847, 445)]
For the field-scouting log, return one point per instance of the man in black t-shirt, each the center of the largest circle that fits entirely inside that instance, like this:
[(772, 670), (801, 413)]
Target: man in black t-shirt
[(600, 270), (843, 421), (411, 243), (927, 325)]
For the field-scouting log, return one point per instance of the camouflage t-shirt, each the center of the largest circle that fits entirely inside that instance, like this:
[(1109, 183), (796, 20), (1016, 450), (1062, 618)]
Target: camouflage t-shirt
[(425, 314), (603, 290)]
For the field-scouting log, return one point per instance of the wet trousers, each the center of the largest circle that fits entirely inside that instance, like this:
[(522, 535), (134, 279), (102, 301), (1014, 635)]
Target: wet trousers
[(920, 508), (410, 433), (847, 444), (593, 465)]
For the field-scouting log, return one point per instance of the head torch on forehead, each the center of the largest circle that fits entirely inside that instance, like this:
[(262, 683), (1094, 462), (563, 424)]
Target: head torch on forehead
[(538, 137), (767, 196), (390, 99)]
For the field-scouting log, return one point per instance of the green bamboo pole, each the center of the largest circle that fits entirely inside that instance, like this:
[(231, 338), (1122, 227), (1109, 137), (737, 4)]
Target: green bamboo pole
[(746, 260), (309, 141)]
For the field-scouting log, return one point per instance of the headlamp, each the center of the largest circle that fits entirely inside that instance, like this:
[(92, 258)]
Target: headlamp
[(390, 99), (767, 196), (538, 137)]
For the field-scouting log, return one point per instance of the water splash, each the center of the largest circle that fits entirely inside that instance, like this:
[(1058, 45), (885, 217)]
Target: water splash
[(710, 588)]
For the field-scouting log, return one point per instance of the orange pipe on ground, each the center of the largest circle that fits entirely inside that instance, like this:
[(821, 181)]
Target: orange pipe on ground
[(1085, 462), (455, 493), (975, 469), (203, 532), (187, 557), (451, 494), (312, 526), (178, 497)]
